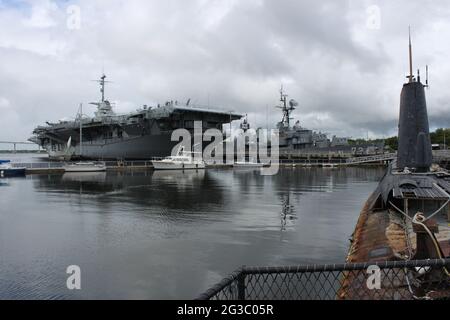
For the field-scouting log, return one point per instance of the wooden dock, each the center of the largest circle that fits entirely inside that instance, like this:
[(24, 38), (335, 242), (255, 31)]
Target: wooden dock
[(58, 166)]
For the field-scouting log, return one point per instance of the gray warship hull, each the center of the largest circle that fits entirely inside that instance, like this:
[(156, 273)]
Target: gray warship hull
[(138, 148)]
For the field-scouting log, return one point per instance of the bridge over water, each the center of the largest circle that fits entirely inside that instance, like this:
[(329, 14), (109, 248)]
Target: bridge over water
[(16, 143)]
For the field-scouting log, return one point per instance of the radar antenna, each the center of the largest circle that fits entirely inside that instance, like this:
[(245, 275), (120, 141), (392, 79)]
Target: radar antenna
[(287, 110), (102, 82)]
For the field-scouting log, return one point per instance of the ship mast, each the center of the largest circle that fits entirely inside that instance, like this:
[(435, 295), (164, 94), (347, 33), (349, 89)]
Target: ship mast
[(81, 129), (102, 86), (103, 106), (286, 109), (286, 112), (102, 82), (411, 77)]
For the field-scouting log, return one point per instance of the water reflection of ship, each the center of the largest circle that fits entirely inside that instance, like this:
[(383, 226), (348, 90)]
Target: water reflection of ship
[(98, 177), (88, 182), (323, 180), (287, 212), (179, 175)]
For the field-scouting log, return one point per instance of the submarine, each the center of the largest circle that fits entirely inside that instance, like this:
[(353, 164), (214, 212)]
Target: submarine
[(407, 216)]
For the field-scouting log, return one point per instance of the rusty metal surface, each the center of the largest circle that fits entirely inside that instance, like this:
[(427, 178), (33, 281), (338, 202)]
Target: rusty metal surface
[(377, 237), (445, 246), (369, 237)]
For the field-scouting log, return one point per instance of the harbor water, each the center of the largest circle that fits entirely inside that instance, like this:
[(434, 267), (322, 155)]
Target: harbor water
[(170, 235)]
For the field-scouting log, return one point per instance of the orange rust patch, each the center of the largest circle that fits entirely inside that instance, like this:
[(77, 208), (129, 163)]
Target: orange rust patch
[(396, 238)]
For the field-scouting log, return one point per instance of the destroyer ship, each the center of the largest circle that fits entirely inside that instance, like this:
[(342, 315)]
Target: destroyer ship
[(143, 134), (297, 139)]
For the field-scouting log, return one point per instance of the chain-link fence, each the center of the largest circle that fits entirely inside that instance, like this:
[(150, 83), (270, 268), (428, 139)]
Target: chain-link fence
[(398, 280)]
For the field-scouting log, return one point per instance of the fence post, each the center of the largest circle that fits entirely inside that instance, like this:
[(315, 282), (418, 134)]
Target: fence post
[(241, 286)]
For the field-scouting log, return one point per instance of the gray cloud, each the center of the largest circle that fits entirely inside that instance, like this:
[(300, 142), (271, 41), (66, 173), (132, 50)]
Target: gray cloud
[(234, 54)]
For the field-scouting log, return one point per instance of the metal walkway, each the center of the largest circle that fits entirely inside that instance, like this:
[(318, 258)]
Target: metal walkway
[(57, 166), (368, 159)]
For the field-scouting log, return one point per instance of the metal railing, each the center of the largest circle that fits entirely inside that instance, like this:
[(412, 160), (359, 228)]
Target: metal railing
[(374, 158), (39, 165), (60, 165), (316, 153), (148, 163), (312, 161), (398, 280), (441, 155)]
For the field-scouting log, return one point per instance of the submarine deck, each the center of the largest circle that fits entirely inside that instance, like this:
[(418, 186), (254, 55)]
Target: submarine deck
[(383, 234)]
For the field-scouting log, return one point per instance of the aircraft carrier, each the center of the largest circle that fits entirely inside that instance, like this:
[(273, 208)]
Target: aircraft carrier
[(143, 134)]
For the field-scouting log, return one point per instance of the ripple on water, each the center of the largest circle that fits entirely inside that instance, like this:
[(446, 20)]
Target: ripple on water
[(134, 234)]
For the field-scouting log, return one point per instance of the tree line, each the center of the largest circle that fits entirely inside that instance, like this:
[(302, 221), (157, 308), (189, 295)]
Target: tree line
[(439, 136)]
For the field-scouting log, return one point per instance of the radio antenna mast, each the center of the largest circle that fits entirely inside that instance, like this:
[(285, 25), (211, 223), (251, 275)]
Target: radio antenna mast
[(102, 82), (411, 76)]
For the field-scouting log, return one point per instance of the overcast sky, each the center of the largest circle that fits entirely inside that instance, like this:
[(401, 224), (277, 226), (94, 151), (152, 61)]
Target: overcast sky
[(343, 61)]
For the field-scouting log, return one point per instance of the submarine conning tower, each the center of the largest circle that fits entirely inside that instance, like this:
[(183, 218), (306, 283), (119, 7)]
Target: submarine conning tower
[(414, 146)]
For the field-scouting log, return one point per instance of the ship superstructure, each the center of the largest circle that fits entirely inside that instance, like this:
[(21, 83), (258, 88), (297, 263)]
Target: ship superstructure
[(143, 134), (298, 137)]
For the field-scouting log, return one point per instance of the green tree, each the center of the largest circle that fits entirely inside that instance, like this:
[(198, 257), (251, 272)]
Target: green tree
[(392, 142), (440, 136)]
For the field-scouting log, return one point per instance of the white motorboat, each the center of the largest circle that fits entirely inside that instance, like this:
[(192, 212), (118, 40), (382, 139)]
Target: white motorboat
[(248, 164), (184, 160), (85, 167)]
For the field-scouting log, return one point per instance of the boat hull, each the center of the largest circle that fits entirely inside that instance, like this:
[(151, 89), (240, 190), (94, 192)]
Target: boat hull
[(84, 168), (12, 172), (134, 148), (160, 165)]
